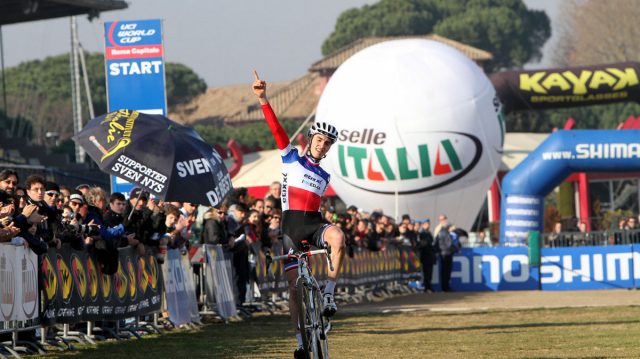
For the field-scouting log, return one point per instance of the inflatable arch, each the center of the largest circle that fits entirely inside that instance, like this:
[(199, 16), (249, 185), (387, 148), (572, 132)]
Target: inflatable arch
[(562, 153)]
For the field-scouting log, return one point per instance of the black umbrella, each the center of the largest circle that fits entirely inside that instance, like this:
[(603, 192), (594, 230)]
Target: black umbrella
[(165, 158)]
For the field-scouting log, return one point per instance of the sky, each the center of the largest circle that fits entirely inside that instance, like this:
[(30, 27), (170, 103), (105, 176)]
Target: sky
[(222, 41)]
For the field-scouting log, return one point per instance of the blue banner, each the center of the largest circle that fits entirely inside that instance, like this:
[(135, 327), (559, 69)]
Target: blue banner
[(570, 268), (135, 73), (481, 269), (577, 268)]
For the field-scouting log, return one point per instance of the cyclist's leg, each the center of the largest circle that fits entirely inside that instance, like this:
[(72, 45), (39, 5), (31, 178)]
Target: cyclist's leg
[(332, 235)]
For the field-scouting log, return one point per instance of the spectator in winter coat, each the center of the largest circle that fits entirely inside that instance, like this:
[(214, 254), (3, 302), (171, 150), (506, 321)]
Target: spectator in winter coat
[(426, 248), (215, 227)]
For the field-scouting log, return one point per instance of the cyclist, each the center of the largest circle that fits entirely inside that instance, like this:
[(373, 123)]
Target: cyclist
[(303, 185)]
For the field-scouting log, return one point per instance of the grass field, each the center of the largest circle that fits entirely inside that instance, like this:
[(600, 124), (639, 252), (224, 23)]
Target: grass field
[(602, 332)]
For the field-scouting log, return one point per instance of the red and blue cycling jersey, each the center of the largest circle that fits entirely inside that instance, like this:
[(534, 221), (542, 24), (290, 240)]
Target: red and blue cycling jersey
[(304, 182)]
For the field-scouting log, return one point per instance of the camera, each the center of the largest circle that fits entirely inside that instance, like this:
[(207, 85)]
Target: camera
[(89, 229)]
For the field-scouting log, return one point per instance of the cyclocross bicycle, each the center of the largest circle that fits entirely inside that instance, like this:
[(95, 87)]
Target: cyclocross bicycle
[(313, 325)]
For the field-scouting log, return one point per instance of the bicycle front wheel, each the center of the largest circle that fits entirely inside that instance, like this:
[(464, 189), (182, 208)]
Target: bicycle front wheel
[(322, 342), (305, 316)]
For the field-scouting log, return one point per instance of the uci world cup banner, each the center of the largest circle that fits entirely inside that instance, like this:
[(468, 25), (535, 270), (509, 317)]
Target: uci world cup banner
[(135, 73), (74, 289)]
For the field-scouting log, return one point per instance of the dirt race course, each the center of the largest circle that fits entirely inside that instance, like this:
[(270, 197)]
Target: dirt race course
[(508, 324), (473, 301)]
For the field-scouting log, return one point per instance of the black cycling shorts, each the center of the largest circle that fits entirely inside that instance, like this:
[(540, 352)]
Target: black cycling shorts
[(298, 226)]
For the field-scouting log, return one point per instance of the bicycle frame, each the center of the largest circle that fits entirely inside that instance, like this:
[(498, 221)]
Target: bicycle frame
[(310, 319)]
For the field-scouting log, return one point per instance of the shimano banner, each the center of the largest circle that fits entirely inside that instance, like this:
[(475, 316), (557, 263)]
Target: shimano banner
[(571, 268), (479, 269), (562, 153)]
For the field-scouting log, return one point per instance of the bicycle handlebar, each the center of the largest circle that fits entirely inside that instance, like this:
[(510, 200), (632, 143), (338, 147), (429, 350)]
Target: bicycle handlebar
[(298, 255)]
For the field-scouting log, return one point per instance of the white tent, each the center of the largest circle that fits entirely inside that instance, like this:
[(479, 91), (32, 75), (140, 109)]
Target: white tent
[(258, 169)]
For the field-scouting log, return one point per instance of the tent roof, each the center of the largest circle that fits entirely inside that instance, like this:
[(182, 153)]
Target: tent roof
[(517, 147)]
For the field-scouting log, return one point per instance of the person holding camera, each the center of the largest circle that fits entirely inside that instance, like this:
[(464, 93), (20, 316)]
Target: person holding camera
[(31, 219), (7, 209), (115, 216), (69, 230), (36, 190), (138, 221)]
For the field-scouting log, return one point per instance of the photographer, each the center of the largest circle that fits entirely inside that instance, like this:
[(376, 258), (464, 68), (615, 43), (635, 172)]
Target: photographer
[(27, 221), (137, 221), (115, 217), (47, 216), (70, 230), (7, 209), (102, 239)]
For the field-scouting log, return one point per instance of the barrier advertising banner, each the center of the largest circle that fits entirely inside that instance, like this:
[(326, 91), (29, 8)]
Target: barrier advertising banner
[(18, 286), (573, 268), (218, 282), (570, 268), (135, 73), (74, 289), (179, 289)]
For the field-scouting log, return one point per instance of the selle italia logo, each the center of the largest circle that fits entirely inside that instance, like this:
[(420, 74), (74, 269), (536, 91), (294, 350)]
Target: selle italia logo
[(366, 162)]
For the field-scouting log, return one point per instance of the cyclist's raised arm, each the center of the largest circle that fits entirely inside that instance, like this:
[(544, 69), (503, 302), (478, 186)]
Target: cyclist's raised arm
[(279, 134)]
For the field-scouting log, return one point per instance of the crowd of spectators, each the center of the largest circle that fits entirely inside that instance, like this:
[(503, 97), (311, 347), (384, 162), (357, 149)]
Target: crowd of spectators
[(41, 214)]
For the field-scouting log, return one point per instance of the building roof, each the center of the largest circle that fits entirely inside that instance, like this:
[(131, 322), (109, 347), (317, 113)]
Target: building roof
[(295, 99), (237, 104), (334, 60), (15, 11)]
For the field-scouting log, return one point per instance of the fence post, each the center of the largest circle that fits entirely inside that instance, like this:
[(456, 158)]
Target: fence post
[(534, 248), (534, 255)]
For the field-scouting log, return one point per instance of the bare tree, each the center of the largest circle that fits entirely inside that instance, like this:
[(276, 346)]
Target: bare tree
[(596, 31)]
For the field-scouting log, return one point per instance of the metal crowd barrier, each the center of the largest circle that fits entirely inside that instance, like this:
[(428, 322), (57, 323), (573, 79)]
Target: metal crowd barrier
[(62, 297), (594, 238)]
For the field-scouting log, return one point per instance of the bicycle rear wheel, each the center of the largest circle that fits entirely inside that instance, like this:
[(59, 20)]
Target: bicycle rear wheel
[(305, 316)]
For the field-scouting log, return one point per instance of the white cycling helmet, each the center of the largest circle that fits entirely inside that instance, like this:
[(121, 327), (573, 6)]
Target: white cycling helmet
[(323, 128)]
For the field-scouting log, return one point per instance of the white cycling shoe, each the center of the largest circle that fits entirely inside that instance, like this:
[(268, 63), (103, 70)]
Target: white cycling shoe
[(329, 305)]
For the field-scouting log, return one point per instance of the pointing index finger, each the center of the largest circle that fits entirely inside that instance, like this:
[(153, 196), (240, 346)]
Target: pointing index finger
[(255, 74)]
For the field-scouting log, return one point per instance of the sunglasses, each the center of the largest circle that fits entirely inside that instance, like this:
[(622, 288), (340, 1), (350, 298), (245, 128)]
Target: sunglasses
[(275, 217), (52, 194)]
